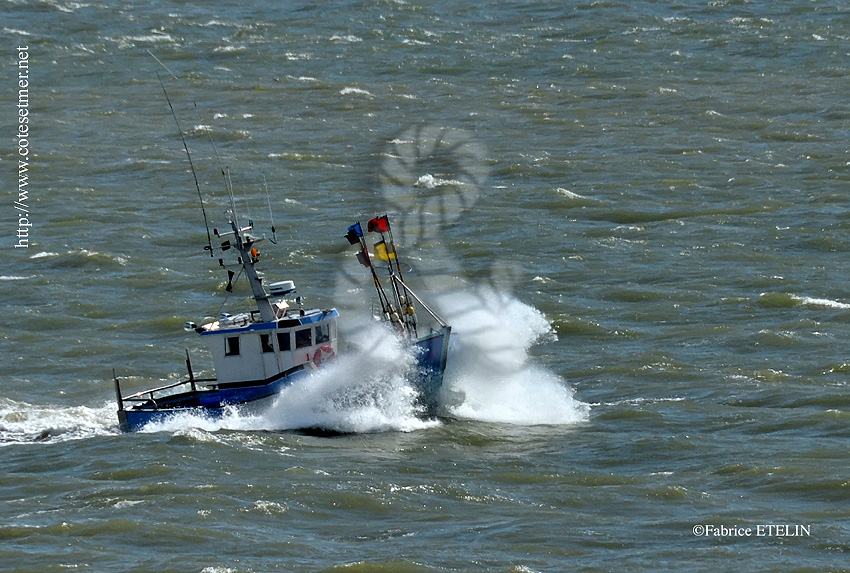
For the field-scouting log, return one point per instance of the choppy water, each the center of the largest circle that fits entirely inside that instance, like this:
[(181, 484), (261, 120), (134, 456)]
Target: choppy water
[(634, 213)]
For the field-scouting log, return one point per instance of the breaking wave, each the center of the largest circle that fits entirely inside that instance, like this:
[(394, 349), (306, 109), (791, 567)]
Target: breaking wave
[(23, 423), (491, 376), (789, 300)]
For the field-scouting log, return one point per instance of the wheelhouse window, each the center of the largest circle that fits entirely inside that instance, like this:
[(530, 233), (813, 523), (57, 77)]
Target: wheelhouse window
[(266, 342), (303, 338), (231, 346), (323, 333), (284, 341)]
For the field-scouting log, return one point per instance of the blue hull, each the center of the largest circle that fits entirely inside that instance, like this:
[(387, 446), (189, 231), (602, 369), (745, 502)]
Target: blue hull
[(432, 353), (211, 403), (213, 400)]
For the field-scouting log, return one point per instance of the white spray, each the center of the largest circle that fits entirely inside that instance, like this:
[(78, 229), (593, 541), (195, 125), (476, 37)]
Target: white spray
[(490, 376)]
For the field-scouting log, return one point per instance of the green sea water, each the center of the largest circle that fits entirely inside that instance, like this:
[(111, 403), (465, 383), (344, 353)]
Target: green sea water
[(634, 214)]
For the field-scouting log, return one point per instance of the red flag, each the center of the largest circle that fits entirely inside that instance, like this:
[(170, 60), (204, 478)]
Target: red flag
[(379, 224)]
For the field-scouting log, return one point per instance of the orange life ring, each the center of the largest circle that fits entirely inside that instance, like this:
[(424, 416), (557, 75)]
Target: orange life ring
[(324, 354)]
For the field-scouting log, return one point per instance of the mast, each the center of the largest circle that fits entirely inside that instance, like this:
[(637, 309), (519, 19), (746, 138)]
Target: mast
[(248, 255)]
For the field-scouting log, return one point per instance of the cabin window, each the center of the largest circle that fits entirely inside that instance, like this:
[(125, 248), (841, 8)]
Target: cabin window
[(266, 343), (303, 338), (231, 346), (284, 341), (323, 333)]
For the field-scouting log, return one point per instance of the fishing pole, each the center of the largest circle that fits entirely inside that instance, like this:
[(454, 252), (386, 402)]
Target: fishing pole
[(209, 246)]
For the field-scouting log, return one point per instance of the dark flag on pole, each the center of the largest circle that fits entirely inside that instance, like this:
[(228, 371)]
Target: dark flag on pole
[(363, 258), (355, 231)]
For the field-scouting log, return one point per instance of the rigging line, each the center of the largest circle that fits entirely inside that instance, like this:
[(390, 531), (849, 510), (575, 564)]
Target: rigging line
[(209, 136), (191, 164), (229, 183), (382, 296), (247, 206), (271, 214), (235, 279), (225, 174)]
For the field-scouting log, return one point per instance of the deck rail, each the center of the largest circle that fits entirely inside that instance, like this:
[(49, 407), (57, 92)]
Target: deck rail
[(150, 394)]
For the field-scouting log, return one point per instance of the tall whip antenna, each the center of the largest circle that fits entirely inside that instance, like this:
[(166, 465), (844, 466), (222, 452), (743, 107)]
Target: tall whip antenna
[(191, 163)]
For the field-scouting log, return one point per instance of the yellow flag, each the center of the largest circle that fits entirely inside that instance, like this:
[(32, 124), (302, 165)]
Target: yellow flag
[(382, 252)]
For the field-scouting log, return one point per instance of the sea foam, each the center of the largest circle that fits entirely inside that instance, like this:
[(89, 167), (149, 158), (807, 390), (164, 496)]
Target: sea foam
[(24, 423), (491, 376), (366, 389)]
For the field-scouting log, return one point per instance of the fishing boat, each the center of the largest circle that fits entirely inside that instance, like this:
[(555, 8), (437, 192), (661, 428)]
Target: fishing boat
[(259, 353), (398, 309), (256, 354)]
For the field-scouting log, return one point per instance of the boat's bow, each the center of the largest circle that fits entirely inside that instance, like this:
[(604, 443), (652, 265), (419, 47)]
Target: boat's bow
[(398, 308)]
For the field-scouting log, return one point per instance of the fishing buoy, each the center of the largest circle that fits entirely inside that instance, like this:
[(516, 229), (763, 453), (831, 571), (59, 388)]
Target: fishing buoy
[(323, 354)]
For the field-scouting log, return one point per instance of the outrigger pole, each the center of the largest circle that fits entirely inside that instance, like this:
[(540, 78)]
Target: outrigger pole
[(355, 236)]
